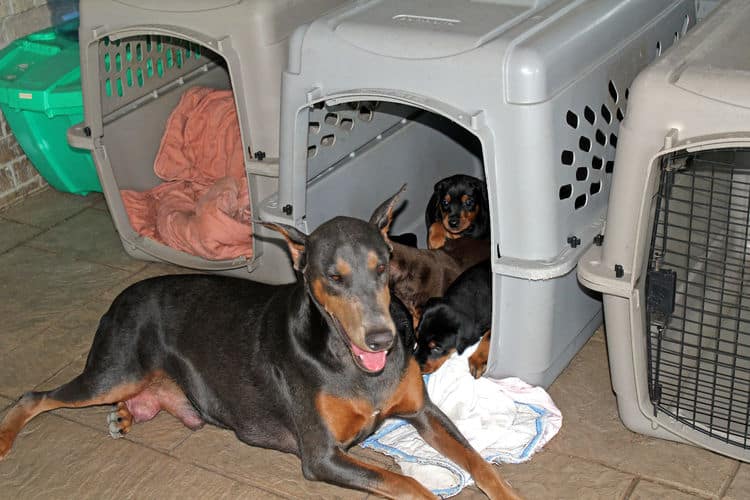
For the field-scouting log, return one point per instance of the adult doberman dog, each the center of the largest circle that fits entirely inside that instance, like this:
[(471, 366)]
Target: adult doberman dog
[(310, 368)]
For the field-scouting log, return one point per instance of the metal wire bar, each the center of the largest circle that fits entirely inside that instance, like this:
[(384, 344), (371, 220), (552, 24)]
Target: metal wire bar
[(699, 358)]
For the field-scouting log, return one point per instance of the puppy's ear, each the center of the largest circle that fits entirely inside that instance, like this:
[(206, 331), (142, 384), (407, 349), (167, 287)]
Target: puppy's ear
[(442, 185), (383, 215), (295, 240), (431, 213)]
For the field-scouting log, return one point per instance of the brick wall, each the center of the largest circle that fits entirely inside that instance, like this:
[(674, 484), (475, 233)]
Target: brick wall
[(18, 178)]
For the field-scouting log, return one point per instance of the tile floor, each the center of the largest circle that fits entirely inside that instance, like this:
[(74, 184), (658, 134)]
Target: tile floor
[(61, 264)]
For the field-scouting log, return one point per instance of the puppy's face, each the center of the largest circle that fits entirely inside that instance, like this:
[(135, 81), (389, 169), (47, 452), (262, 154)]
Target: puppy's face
[(438, 336), (458, 204)]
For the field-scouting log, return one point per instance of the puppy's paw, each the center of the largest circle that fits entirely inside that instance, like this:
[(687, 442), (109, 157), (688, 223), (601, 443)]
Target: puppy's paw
[(436, 236), (120, 420), (477, 365), (478, 360)]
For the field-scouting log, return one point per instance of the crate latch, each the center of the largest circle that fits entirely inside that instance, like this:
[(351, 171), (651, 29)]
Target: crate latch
[(661, 287)]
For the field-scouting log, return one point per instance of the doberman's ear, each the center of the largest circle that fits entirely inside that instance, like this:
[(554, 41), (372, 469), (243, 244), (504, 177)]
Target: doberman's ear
[(295, 239), (383, 215)]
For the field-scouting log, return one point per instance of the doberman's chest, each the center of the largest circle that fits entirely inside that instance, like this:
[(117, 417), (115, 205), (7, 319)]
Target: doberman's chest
[(349, 419)]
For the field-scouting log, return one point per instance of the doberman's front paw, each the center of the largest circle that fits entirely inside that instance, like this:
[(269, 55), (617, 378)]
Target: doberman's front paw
[(120, 420), (6, 443)]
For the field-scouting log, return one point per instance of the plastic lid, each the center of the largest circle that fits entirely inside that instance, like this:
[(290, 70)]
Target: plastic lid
[(41, 72), (180, 5), (428, 28), (718, 67)]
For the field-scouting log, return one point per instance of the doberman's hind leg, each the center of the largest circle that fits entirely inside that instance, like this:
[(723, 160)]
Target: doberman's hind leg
[(120, 420), (84, 390), (440, 433), (160, 393)]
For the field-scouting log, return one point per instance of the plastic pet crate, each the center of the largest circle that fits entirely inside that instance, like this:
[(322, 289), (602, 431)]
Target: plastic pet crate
[(526, 94), (40, 95), (138, 57), (674, 266)]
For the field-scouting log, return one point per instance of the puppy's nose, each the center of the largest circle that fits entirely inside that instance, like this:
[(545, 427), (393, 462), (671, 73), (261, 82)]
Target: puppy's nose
[(453, 222), (379, 340)]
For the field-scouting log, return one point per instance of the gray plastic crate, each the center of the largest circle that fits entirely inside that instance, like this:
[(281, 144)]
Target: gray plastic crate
[(673, 267), (527, 94), (139, 56)]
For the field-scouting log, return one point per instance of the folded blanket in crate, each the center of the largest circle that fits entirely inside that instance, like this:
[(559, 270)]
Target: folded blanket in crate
[(505, 420), (203, 207)]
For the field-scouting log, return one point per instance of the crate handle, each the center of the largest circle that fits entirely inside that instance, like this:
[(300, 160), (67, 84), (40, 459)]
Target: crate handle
[(595, 275), (79, 136), (267, 167)]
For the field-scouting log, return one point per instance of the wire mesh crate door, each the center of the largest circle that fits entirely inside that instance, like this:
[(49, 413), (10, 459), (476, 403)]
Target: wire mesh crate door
[(699, 344)]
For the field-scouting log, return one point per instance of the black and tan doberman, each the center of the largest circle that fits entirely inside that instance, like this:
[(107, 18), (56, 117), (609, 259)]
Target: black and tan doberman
[(310, 368)]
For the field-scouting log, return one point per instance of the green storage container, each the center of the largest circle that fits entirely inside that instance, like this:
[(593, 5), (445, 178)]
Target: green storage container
[(40, 95)]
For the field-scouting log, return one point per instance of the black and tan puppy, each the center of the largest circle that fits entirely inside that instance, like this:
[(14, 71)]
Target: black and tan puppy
[(459, 319), (458, 208), (310, 368)]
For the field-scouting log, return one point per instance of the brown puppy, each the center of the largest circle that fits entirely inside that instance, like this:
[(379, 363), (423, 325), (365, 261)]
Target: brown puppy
[(418, 274)]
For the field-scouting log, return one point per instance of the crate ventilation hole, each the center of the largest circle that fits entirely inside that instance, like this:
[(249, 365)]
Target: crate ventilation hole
[(363, 113), (143, 58), (597, 141)]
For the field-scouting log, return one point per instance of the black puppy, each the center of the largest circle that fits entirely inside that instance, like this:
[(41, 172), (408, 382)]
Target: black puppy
[(458, 208), (459, 319), (310, 368)]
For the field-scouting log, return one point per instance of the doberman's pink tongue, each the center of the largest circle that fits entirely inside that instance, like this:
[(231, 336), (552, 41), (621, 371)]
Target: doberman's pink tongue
[(373, 361)]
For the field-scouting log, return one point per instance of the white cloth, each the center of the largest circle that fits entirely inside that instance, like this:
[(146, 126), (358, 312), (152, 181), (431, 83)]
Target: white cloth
[(505, 420)]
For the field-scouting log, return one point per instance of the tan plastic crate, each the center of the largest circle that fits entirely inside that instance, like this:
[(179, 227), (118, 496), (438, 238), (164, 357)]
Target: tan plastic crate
[(674, 266), (139, 56)]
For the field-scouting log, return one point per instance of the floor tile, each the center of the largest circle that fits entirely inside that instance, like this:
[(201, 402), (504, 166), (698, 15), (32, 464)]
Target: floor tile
[(100, 204), (38, 288), (739, 489), (551, 476), (40, 358), (55, 458), (91, 236), (646, 490), (220, 450), (150, 270), (592, 430), (48, 208), (14, 233)]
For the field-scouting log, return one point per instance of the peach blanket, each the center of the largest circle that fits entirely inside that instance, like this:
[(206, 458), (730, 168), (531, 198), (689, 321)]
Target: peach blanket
[(203, 207)]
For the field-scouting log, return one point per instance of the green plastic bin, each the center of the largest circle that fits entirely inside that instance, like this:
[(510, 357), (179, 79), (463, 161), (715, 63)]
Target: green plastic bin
[(40, 95)]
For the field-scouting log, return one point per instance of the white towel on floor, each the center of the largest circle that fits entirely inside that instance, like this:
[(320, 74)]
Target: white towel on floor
[(505, 420)]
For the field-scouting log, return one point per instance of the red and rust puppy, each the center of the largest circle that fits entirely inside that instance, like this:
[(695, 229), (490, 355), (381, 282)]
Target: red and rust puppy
[(459, 319), (458, 208), (310, 368), (418, 274)]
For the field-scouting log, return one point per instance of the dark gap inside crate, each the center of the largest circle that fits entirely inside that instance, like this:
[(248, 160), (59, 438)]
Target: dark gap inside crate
[(361, 152)]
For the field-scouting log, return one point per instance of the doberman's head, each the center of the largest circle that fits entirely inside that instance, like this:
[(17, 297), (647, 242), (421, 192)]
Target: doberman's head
[(459, 202), (439, 334), (344, 264)]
